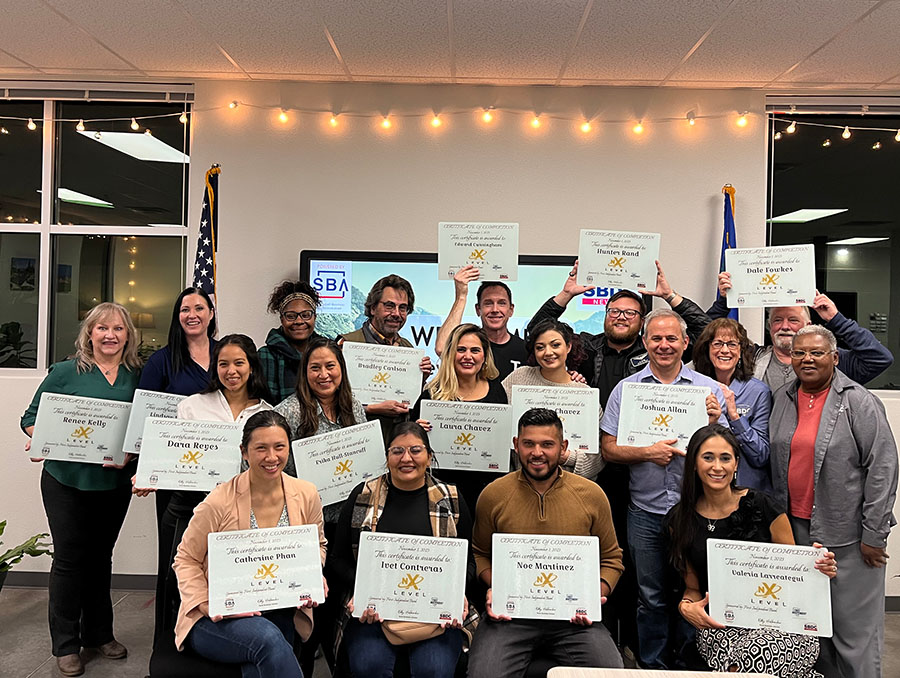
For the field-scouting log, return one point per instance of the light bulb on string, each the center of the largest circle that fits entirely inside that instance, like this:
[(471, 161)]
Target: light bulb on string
[(777, 136), (535, 122), (283, 116), (487, 116), (233, 105), (134, 125), (792, 127), (3, 130), (876, 146), (742, 120), (826, 143), (639, 127), (33, 127), (148, 133), (691, 118), (333, 121), (846, 133), (386, 123), (897, 136), (435, 121), (586, 126), (183, 118), (80, 126)]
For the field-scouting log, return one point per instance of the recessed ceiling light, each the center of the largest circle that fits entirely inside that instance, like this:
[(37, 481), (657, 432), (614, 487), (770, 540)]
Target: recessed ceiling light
[(67, 195), (140, 146), (804, 215), (856, 241)]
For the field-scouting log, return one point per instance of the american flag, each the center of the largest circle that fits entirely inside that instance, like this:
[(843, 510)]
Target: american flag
[(208, 238)]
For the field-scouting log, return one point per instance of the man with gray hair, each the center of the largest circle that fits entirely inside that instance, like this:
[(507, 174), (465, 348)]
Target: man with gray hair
[(834, 467), (655, 481), (863, 360)]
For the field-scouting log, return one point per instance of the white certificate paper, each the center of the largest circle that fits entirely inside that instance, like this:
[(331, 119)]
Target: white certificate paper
[(771, 276), (768, 586), (652, 412), (148, 404), (410, 578), (618, 259), (379, 372), (545, 576), (491, 248), (579, 409), (338, 461), (72, 428), (181, 454), (266, 569), (469, 436)]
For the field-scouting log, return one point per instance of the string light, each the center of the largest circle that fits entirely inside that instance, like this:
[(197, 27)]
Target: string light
[(691, 118), (333, 121), (487, 116), (826, 143), (535, 122), (283, 116), (777, 136), (183, 118), (148, 133), (80, 126), (134, 125), (33, 127), (233, 105), (639, 127), (876, 146), (846, 133), (435, 121), (792, 127), (897, 137), (3, 130), (742, 120), (586, 126), (386, 123)]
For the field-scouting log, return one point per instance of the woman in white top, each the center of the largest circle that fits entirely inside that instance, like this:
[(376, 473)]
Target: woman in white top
[(550, 345)]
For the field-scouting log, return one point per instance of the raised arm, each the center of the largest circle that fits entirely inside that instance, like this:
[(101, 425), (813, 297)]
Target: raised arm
[(461, 281), (554, 307), (865, 357)]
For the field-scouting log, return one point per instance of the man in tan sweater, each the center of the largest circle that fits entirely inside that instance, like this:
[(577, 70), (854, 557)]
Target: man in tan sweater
[(541, 498)]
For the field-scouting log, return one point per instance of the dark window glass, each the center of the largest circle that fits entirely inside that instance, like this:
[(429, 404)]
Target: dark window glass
[(19, 266), (20, 163)]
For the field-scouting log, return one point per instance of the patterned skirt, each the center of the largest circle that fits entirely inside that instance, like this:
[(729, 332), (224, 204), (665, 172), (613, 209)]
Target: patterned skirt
[(785, 655)]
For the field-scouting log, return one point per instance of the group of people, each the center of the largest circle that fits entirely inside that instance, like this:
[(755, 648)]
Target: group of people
[(796, 450)]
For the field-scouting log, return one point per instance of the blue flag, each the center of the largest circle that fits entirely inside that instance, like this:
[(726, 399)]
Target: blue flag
[(208, 237), (729, 241)]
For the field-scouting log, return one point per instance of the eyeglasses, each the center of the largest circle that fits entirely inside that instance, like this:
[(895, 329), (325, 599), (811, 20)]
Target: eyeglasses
[(390, 307), (414, 450), (730, 345), (629, 313), (291, 316), (815, 353)]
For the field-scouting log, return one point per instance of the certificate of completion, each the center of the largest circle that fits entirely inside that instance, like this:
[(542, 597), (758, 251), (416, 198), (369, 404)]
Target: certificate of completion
[(579, 409), (768, 586), (618, 259), (491, 248), (267, 569), (148, 404), (471, 436), (338, 461), (410, 578), (545, 576), (652, 412), (180, 454), (72, 428), (379, 372), (771, 276)]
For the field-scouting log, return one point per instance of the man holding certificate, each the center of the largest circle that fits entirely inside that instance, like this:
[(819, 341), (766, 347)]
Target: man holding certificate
[(542, 499), (656, 470)]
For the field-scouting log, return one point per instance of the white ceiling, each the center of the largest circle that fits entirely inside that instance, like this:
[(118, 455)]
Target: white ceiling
[(771, 44)]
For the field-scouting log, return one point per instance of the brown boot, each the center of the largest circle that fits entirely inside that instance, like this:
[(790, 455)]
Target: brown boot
[(70, 665), (113, 650)]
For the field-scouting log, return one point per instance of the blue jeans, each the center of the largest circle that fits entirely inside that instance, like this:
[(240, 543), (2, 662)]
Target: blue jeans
[(261, 645), (372, 656)]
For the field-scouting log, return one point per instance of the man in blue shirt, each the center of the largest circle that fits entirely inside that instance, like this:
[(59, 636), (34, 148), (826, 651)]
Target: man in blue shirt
[(655, 485)]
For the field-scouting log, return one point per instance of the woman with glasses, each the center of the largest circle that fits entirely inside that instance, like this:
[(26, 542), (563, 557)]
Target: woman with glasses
[(295, 304), (724, 353), (404, 500)]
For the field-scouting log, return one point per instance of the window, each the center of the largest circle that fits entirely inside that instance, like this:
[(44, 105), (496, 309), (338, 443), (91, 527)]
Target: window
[(19, 257)]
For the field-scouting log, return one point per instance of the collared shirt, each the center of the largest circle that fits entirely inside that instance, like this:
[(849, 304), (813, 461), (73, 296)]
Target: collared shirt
[(373, 336), (612, 371), (656, 488)]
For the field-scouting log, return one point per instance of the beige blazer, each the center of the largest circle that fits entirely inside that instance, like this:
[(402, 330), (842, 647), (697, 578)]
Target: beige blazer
[(228, 508)]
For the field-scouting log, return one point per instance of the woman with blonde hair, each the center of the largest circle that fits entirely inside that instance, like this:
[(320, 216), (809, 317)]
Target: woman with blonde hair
[(86, 503)]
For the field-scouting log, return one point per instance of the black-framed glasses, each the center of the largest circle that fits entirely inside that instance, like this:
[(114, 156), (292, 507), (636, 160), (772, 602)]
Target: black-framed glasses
[(291, 316), (815, 353), (629, 313), (414, 450), (390, 307)]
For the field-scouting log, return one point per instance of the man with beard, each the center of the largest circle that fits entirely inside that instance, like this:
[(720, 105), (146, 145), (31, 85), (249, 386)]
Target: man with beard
[(495, 308), (863, 360), (541, 498)]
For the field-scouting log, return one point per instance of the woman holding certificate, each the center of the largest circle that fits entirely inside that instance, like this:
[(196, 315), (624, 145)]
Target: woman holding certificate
[(713, 506), (407, 499), (86, 503), (725, 353), (551, 345), (261, 497)]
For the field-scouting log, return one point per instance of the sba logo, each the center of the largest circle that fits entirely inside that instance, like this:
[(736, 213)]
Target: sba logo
[(546, 579), (662, 419), (464, 439), (331, 284), (411, 581)]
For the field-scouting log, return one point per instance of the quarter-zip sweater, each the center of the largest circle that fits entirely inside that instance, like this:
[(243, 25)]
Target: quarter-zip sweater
[(572, 505)]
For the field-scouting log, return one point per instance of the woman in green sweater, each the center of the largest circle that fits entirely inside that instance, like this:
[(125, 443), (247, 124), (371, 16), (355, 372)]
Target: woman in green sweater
[(86, 503)]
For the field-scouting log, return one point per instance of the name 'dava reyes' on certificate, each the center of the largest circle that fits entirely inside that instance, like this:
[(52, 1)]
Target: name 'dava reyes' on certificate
[(491, 248), (337, 461), (182, 454), (73, 428), (768, 586), (148, 404), (771, 276), (545, 576), (266, 569), (618, 259), (411, 578), (379, 372), (653, 412), (469, 436), (578, 408)]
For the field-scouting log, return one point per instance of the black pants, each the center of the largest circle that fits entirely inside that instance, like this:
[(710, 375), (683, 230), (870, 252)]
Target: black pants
[(84, 525)]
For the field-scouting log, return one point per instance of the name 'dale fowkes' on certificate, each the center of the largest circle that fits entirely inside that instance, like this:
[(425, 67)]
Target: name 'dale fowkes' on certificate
[(72, 428), (771, 276), (411, 578), (491, 248), (653, 412), (148, 404), (768, 586), (181, 454), (618, 259), (337, 461), (379, 372), (469, 436), (266, 569), (545, 576)]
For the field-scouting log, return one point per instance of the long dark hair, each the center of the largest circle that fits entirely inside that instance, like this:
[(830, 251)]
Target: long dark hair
[(264, 419), (746, 354), (256, 384), (179, 354), (577, 353), (681, 522), (309, 411)]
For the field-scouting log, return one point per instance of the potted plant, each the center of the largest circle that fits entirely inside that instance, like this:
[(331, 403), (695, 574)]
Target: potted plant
[(32, 547)]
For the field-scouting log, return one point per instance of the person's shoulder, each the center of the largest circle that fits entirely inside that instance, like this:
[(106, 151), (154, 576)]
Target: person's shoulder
[(64, 369), (159, 358), (583, 486), (501, 487), (515, 341)]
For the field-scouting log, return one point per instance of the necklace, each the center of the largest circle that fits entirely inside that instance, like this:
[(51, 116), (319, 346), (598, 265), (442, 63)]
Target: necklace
[(711, 524)]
